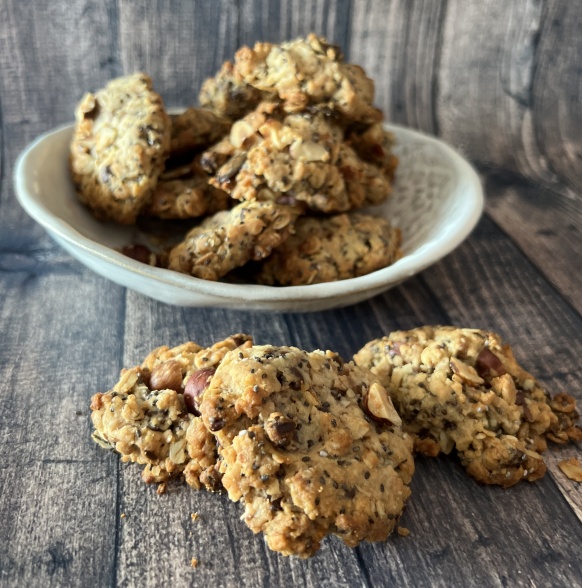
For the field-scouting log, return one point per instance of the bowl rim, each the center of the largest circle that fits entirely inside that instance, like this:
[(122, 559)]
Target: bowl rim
[(410, 264)]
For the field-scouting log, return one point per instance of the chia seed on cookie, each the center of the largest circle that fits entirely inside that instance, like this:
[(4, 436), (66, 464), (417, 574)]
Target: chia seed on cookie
[(463, 389)]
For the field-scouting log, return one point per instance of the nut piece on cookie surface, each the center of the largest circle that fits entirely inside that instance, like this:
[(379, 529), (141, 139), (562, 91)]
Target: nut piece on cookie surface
[(332, 248), (146, 417), (119, 147), (463, 389), (299, 451)]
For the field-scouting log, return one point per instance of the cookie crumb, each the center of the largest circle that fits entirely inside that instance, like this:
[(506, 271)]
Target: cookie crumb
[(403, 531), (194, 562), (161, 488), (572, 468), (194, 516)]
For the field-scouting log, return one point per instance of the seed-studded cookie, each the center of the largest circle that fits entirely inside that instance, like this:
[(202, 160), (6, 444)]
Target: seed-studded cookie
[(120, 143), (151, 417), (228, 95), (229, 239), (186, 197), (332, 248), (374, 145), (196, 128), (309, 73), (463, 389), (300, 447), (299, 156)]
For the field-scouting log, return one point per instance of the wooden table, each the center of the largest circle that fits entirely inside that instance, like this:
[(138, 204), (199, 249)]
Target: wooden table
[(499, 80)]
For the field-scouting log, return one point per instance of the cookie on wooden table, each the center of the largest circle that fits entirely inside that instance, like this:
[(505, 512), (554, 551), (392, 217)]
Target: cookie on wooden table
[(463, 389), (151, 417), (120, 143), (231, 238), (332, 248), (310, 445)]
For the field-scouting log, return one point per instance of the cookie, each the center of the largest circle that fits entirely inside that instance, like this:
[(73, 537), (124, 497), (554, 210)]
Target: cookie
[(299, 446), (309, 73), (120, 143), (227, 95), (186, 197), (332, 248), (375, 145), (230, 239), (196, 128), (150, 416), (462, 389), (301, 157)]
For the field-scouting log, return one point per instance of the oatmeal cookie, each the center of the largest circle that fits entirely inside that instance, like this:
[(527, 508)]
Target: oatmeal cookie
[(375, 145), (227, 95), (309, 73), (197, 128), (332, 248), (311, 446), (186, 197), (231, 238), (151, 417), (120, 143), (463, 389), (301, 157)]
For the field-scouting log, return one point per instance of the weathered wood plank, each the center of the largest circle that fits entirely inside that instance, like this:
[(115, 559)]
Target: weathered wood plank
[(261, 20), (50, 57), (547, 227), (557, 93), (178, 44), (58, 503), (398, 43)]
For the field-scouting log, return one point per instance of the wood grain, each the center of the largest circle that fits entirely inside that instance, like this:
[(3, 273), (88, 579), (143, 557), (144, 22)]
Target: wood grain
[(501, 81)]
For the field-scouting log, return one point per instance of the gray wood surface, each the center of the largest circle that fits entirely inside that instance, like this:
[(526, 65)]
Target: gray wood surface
[(499, 80)]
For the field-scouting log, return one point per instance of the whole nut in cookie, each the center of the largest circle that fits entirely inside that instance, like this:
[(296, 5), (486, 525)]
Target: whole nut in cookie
[(167, 376), (378, 405), (194, 388)]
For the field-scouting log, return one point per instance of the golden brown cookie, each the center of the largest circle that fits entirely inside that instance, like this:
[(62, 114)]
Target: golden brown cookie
[(326, 249), (120, 143), (306, 73), (310, 445), (462, 389), (230, 239), (302, 157), (151, 417)]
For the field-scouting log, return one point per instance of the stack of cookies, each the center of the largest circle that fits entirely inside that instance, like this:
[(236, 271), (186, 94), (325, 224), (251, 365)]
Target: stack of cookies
[(286, 145), (312, 445)]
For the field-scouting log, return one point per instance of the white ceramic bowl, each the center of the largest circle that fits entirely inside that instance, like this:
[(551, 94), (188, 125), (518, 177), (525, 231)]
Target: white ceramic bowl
[(437, 201)]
